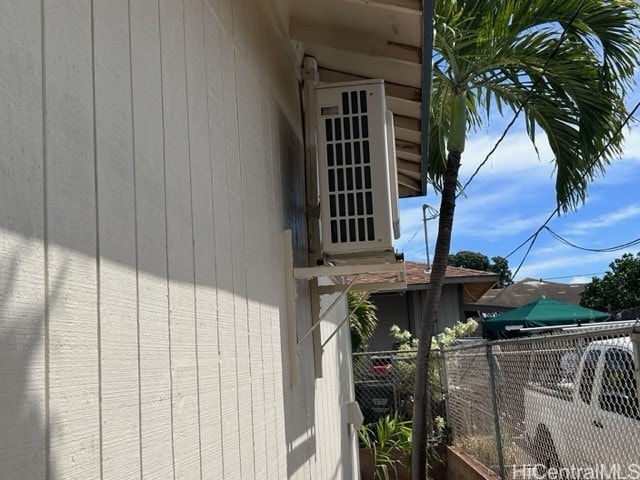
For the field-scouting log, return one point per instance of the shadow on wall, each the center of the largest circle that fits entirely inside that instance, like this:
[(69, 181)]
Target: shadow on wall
[(23, 422), (346, 395), (299, 401)]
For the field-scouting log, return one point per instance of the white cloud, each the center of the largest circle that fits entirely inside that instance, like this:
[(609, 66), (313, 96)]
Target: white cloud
[(581, 263), (515, 155), (491, 227), (579, 280), (551, 260), (631, 145), (513, 195), (605, 220)]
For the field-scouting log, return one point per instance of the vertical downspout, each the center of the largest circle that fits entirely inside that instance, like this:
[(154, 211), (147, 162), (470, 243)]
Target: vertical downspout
[(427, 71)]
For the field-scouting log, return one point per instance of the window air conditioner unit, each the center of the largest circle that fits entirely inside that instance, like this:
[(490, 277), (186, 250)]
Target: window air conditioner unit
[(357, 172)]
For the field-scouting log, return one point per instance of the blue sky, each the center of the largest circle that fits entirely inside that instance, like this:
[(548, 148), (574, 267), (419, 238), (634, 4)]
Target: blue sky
[(514, 194)]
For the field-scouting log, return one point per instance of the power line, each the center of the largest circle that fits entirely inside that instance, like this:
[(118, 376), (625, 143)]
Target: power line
[(534, 236), (432, 217), (615, 248), (411, 239), (573, 276), (517, 114)]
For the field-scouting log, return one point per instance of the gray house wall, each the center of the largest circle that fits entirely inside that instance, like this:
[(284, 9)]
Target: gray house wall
[(405, 310), (150, 156)]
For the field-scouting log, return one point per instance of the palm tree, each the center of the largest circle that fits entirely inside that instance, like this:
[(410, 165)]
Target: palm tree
[(566, 65)]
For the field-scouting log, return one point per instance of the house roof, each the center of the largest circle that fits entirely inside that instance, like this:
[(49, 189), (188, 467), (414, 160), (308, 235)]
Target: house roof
[(362, 39), (475, 282), (530, 289)]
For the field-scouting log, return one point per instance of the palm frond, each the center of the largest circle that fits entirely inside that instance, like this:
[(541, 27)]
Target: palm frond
[(567, 64), (362, 320)]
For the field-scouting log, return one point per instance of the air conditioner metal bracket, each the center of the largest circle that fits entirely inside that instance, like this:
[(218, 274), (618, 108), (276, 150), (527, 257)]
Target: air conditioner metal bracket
[(342, 279)]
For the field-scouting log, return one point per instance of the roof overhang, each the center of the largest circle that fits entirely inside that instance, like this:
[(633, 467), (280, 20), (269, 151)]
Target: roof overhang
[(357, 39), (472, 283), (472, 288), (471, 292)]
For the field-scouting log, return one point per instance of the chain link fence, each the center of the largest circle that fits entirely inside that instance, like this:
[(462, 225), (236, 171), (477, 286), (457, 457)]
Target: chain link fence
[(384, 386), (554, 406)]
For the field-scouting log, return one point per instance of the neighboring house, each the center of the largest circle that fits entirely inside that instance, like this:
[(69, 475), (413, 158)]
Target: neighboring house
[(151, 154), (462, 287), (525, 291)]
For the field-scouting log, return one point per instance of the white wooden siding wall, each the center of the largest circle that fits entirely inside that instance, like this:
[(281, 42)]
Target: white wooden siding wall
[(115, 215), (142, 151), (334, 438), (23, 395), (153, 312), (74, 420)]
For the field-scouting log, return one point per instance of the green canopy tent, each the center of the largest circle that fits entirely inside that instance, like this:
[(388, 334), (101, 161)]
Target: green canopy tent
[(539, 313)]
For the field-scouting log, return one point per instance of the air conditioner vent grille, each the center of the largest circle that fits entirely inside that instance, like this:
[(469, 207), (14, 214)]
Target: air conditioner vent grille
[(355, 159), (349, 171)]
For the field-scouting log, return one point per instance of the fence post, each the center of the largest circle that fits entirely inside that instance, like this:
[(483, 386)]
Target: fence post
[(493, 382), (635, 339), (444, 380)]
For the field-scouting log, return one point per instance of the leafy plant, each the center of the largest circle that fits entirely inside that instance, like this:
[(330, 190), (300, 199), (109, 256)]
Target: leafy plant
[(362, 320), (390, 440), (404, 366)]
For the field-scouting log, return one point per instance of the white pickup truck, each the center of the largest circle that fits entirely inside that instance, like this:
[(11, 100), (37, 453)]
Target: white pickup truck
[(593, 420)]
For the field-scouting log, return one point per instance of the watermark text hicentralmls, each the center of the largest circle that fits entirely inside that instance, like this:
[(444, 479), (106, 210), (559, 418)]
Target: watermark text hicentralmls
[(599, 472)]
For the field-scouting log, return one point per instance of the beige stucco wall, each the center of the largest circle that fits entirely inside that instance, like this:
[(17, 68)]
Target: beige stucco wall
[(150, 156)]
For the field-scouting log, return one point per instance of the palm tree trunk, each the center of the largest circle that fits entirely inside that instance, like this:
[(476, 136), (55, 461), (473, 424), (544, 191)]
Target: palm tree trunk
[(429, 315)]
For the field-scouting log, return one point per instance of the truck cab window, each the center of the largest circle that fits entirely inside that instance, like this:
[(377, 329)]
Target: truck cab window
[(588, 375), (619, 393)]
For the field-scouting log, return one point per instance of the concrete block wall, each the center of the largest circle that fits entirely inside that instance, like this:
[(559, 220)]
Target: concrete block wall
[(150, 156)]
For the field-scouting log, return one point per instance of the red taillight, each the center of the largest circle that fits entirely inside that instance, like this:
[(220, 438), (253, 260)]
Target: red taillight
[(380, 369)]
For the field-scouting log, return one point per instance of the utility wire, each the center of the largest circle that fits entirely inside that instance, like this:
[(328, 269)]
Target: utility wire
[(573, 276), (517, 114), (615, 248), (411, 239), (432, 217), (534, 236), (532, 239), (524, 103)]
